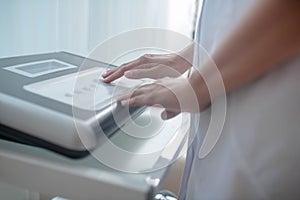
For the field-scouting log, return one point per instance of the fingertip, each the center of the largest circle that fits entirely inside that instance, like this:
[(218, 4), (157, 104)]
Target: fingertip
[(108, 73), (109, 78), (124, 102), (105, 80), (164, 115), (129, 74)]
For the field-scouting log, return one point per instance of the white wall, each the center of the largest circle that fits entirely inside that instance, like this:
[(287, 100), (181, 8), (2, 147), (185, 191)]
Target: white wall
[(27, 26), (35, 26)]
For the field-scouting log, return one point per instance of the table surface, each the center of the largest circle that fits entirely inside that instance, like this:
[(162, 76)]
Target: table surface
[(131, 165)]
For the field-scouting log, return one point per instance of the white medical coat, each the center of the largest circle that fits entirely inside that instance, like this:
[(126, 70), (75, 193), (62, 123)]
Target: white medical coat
[(258, 153)]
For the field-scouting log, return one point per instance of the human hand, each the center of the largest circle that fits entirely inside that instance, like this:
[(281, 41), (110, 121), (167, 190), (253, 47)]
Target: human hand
[(153, 66), (174, 94)]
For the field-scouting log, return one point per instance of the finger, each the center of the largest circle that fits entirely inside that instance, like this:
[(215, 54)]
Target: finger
[(134, 101), (141, 73), (114, 69), (124, 96), (119, 71), (109, 72), (134, 92), (165, 115), (142, 62), (153, 72), (113, 76)]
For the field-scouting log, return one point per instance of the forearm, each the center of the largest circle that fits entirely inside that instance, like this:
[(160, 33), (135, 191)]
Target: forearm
[(265, 37)]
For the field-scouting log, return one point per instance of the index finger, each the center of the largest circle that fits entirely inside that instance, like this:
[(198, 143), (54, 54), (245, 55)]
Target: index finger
[(117, 72), (112, 75)]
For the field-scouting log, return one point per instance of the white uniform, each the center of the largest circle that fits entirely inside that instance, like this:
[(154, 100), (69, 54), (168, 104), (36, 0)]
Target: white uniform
[(258, 153)]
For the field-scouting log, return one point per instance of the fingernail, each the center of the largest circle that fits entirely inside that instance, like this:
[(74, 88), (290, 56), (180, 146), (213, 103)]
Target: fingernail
[(164, 116), (128, 74), (123, 102)]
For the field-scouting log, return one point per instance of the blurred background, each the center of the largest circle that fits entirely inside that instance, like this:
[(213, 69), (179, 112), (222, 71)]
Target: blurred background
[(34, 26)]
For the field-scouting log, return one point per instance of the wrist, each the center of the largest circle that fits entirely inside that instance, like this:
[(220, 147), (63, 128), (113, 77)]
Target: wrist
[(187, 54), (181, 63), (200, 88)]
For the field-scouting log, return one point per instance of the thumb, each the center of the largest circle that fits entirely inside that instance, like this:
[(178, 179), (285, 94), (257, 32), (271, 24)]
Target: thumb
[(165, 115)]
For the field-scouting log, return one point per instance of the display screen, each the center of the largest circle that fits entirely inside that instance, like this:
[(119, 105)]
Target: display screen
[(39, 68), (42, 67)]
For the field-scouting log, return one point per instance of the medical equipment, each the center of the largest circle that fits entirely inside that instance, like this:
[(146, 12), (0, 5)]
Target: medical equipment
[(57, 101)]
